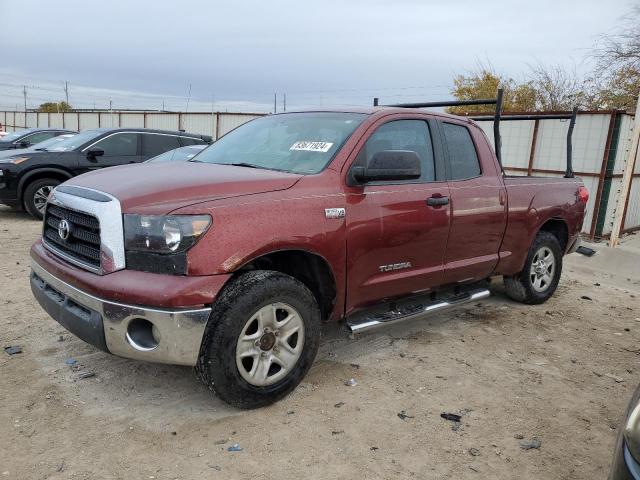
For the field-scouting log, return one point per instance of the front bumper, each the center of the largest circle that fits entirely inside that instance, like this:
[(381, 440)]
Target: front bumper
[(142, 333)]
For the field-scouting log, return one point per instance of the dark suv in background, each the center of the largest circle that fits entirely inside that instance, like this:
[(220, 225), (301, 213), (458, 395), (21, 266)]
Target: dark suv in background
[(26, 179), (30, 136)]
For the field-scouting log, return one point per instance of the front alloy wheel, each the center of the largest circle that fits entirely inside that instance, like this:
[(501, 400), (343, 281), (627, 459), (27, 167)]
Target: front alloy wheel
[(261, 338), (270, 344)]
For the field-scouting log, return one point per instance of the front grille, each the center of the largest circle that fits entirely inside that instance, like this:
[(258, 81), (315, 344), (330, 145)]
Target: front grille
[(83, 242)]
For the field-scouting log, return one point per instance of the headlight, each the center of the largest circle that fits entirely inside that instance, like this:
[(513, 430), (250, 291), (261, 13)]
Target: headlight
[(17, 160), (163, 234)]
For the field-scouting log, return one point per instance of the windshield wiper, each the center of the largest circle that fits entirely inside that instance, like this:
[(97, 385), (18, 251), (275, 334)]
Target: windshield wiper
[(243, 164)]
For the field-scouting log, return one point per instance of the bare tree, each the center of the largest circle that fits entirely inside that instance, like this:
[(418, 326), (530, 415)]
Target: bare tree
[(556, 87), (622, 49)]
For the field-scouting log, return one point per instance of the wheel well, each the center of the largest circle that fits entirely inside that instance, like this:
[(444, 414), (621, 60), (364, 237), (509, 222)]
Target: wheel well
[(39, 175), (310, 269), (559, 229)]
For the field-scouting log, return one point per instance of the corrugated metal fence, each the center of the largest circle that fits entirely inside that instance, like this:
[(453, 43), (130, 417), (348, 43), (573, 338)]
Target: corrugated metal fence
[(601, 143), (215, 124)]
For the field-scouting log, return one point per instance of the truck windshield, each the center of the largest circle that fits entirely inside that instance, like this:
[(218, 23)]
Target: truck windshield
[(291, 142)]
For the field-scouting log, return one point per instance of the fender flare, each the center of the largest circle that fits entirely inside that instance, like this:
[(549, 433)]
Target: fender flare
[(37, 171)]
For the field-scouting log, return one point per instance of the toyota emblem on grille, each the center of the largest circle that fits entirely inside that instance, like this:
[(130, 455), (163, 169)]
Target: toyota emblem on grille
[(64, 229)]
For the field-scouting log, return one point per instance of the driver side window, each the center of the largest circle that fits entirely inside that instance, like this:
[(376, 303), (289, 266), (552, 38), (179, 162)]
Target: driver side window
[(119, 145), (412, 135)]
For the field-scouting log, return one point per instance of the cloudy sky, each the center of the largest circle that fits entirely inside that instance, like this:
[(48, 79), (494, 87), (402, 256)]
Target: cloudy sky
[(237, 54)]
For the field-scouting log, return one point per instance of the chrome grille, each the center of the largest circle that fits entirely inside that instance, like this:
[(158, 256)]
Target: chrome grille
[(83, 242)]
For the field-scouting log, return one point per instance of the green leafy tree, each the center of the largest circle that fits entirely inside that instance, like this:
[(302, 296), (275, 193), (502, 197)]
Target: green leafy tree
[(55, 107)]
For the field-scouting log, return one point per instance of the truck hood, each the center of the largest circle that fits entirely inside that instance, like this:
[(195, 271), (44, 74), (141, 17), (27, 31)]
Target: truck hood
[(161, 188)]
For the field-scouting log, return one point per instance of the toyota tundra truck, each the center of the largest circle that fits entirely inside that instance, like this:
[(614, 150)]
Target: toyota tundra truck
[(231, 262)]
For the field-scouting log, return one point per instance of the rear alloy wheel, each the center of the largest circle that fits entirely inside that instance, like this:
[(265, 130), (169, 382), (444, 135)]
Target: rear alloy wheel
[(542, 269), (36, 195), (539, 278)]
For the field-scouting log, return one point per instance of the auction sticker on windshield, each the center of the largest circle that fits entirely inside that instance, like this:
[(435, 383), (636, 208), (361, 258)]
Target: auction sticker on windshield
[(312, 146)]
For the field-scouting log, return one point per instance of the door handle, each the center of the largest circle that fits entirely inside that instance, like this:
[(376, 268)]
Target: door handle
[(437, 201)]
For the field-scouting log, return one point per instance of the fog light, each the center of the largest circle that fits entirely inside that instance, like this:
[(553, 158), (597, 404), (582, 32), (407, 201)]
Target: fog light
[(142, 335)]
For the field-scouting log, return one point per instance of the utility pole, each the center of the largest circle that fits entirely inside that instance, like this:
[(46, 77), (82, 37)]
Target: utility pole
[(24, 92), (66, 91), (275, 102), (188, 98), (284, 102)]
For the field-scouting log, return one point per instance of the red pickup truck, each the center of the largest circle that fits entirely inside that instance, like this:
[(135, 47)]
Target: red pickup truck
[(232, 261)]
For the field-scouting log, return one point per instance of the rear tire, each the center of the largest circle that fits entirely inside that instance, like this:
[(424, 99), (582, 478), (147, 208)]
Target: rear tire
[(261, 339), (36, 194), (539, 278)]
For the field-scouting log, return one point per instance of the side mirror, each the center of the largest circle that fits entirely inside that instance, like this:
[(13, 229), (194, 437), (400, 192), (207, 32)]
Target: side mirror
[(389, 165), (94, 152), (24, 144)]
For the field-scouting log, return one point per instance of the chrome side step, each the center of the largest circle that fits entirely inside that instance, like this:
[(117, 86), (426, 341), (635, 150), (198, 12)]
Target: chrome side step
[(414, 311)]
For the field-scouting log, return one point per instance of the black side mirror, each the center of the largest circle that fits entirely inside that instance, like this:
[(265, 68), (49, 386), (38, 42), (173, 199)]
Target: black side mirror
[(94, 152), (389, 165), (24, 144)]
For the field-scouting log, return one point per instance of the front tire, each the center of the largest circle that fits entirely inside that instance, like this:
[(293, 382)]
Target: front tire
[(36, 194), (539, 278), (261, 339)]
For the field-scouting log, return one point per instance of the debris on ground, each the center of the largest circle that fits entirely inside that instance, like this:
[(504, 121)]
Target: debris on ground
[(86, 375), (71, 361), (351, 383), (339, 404), (373, 449), (234, 448), (452, 417), (474, 452), (291, 412), (222, 441), (13, 349), (532, 444), (337, 432), (518, 436), (403, 415), (584, 297), (589, 252), (614, 377)]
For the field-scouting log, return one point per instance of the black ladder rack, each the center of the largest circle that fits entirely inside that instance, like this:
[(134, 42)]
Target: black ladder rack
[(497, 116)]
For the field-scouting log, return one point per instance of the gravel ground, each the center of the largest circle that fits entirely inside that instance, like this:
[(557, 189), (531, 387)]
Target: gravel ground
[(560, 373)]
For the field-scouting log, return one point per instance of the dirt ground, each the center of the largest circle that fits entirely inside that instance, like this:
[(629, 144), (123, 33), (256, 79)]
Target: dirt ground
[(560, 372)]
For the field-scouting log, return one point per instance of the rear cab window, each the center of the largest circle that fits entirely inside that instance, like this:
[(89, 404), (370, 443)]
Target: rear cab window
[(464, 163)]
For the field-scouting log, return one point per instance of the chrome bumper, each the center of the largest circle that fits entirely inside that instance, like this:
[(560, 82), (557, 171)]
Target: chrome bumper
[(141, 333)]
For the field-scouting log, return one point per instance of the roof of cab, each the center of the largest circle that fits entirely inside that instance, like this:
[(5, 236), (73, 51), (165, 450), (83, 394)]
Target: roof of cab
[(381, 111)]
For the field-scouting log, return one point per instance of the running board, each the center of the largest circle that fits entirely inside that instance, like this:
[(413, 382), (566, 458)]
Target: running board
[(414, 311)]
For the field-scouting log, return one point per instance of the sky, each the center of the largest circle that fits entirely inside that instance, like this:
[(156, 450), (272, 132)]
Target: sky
[(234, 56)]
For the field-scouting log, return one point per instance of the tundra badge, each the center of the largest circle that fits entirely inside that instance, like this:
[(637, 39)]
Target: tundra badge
[(394, 266), (334, 212)]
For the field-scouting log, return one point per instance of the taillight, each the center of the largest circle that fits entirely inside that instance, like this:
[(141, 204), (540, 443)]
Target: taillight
[(583, 194)]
